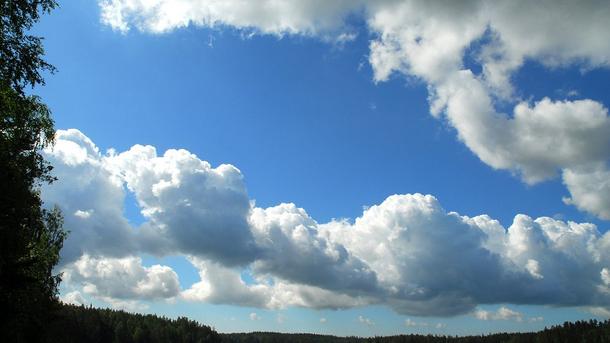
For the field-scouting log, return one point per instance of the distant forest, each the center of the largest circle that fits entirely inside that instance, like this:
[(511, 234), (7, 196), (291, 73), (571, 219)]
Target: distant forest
[(88, 324)]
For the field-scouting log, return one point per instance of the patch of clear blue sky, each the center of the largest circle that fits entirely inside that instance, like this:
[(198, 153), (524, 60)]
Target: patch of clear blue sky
[(305, 123)]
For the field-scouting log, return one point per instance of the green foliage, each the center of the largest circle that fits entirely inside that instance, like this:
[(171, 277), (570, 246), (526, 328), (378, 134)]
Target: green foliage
[(30, 236), (86, 324), (21, 54)]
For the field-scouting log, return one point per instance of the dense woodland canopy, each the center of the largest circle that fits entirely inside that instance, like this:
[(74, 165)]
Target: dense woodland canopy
[(87, 324)]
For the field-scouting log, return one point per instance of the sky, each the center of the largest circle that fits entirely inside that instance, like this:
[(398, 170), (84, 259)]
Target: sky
[(342, 167)]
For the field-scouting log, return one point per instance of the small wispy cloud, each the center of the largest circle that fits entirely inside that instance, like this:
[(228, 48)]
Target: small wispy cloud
[(503, 313), (366, 321)]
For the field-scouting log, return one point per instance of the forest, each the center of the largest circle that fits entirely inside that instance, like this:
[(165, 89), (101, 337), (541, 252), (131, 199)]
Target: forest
[(73, 323)]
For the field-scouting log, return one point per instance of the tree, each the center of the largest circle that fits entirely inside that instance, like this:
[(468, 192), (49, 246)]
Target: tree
[(30, 236)]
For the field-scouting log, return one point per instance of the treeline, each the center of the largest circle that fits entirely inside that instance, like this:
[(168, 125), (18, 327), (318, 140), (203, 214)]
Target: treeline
[(592, 331), (88, 324), (92, 325)]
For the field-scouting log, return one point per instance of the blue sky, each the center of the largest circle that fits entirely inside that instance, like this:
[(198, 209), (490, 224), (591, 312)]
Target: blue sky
[(309, 103)]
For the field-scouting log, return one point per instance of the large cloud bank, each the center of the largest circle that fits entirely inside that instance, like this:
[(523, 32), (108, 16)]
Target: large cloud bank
[(430, 40), (408, 252)]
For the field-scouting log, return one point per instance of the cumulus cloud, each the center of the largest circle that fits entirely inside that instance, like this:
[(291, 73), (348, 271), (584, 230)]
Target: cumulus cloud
[(90, 198), (294, 249), (407, 252), (190, 206), (429, 40), (224, 285), (589, 187), (122, 278)]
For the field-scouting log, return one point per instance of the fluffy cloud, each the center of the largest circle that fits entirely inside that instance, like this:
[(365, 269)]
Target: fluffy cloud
[(224, 285), (91, 200), (408, 252), (292, 17), (122, 278), (191, 207), (589, 187), (417, 250), (433, 262), (429, 40), (294, 249)]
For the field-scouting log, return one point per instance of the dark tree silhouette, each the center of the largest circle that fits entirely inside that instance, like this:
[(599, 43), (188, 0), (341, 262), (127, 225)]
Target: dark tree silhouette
[(87, 324), (30, 236)]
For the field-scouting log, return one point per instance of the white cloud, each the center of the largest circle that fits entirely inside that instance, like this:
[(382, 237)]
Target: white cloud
[(190, 206), (533, 267), (589, 187), (600, 311), (254, 316), (605, 275), (223, 285), (272, 17), (124, 305), (83, 214), (412, 323), (90, 198), (390, 255), (365, 321), (312, 259), (122, 278), (323, 320), (74, 298), (429, 40), (503, 313)]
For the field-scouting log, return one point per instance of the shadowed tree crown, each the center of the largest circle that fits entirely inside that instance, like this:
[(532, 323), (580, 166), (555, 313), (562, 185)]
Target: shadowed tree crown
[(30, 235)]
